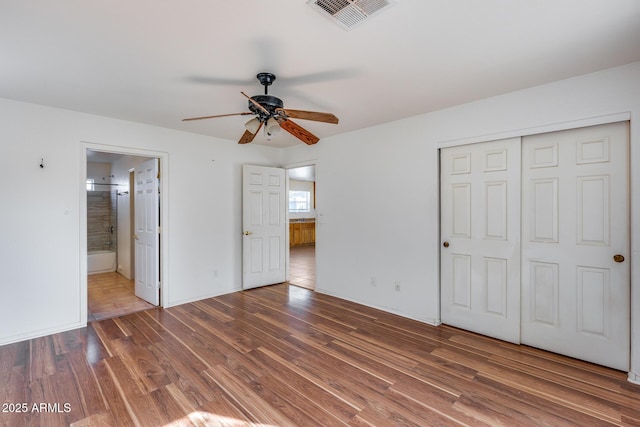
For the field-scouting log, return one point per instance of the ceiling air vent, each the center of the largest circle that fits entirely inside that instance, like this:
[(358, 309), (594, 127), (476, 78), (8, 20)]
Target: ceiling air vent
[(349, 13)]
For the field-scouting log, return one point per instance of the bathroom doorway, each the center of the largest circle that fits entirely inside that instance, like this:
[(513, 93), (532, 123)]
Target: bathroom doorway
[(110, 234), (302, 213)]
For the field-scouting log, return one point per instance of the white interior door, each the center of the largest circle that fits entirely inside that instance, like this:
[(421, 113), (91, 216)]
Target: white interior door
[(480, 234), (575, 296), (264, 226), (147, 221)]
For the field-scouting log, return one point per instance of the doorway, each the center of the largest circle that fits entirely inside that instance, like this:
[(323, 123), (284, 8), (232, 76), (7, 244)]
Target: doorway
[(302, 213), (111, 290)]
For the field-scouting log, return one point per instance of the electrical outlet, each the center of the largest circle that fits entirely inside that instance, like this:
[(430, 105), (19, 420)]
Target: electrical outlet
[(397, 285)]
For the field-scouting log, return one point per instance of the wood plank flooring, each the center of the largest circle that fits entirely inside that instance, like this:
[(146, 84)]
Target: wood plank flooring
[(112, 295), (286, 356)]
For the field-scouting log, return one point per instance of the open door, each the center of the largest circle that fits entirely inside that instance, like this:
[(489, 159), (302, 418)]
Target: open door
[(264, 226), (147, 221)]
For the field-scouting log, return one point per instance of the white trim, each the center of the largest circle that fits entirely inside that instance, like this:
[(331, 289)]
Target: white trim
[(301, 164), (41, 332), (438, 169), (535, 130), (426, 320), (287, 237), (164, 216), (82, 220), (204, 296)]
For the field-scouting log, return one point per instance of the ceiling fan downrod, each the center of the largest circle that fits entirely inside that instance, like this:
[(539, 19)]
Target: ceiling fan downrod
[(266, 79)]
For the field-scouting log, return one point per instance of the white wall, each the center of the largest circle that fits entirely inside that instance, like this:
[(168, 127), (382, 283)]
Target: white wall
[(390, 231), (98, 171), (40, 281)]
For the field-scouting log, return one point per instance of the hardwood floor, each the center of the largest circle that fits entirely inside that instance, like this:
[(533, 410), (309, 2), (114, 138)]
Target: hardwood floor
[(112, 295), (287, 356), (302, 266)]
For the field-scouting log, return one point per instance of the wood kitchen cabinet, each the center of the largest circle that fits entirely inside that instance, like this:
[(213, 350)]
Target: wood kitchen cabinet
[(302, 233)]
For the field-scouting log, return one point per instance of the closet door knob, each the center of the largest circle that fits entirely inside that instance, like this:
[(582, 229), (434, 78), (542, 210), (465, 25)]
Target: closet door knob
[(618, 258), (445, 244)]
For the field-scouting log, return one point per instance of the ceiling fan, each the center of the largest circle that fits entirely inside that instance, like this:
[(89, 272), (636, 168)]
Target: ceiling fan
[(269, 112)]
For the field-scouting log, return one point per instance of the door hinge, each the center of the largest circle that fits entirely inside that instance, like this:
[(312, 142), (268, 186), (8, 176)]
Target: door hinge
[(159, 230)]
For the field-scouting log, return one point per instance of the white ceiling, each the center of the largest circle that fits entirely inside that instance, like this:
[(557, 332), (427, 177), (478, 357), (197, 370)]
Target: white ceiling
[(159, 61)]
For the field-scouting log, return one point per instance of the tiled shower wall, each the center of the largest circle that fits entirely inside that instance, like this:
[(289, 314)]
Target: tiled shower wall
[(101, 216)]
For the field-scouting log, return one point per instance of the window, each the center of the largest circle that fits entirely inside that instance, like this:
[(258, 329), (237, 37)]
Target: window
[(91, 184), (299, 201)]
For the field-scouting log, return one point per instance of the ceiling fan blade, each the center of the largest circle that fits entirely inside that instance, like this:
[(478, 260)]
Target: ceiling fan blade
[(311, 115), (247, 136), (219, 115), (298, 131), (257, 104)]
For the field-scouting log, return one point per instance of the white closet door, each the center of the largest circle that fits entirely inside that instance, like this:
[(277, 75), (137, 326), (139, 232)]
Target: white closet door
[(575, 220), (480, 234)]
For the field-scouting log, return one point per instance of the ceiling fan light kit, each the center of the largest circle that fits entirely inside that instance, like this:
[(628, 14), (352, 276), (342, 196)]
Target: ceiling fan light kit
[(272, 127), (270, 112), (253, 125)]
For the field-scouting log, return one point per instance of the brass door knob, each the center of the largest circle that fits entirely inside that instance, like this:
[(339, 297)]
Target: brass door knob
[(445, 244), (246, 233), (618, 258)]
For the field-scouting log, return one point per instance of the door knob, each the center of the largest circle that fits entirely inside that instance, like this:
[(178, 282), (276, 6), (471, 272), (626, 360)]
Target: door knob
[(618, 258), (445, 244), (246, 233)]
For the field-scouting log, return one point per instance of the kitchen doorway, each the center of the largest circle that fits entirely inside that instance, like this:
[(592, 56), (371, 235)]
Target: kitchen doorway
[(302, 214)]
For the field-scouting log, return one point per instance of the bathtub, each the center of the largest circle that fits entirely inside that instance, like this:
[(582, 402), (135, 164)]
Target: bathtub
[(101, 262)]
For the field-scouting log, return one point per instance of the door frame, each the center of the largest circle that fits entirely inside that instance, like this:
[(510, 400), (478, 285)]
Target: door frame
[(288, 166), (634, 205), (164, 216)]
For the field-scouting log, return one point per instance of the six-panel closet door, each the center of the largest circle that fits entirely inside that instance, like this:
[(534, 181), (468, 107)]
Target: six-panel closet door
[(535, 241), (575, 227), (480, 236)]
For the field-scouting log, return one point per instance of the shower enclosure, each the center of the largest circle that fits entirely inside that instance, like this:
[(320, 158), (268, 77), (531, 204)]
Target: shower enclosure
[(102, 244)]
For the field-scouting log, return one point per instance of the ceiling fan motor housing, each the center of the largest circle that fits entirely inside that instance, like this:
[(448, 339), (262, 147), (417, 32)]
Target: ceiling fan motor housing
[(270, 103)]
